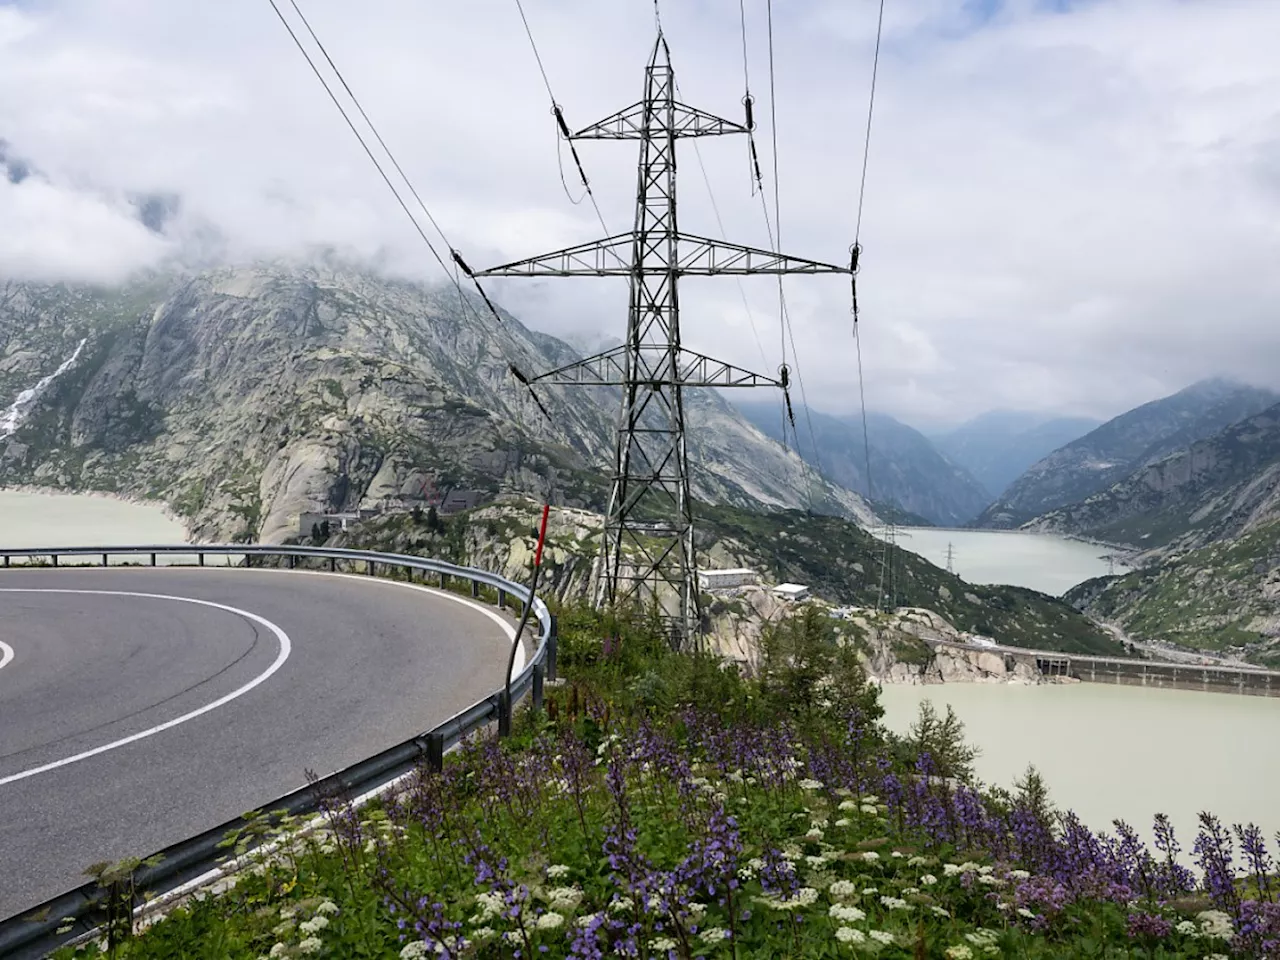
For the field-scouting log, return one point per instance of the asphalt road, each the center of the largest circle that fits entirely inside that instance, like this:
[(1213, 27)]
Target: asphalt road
[(364, 664)]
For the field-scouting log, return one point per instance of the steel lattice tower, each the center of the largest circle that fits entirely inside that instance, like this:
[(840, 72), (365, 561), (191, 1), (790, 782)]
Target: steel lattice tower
[(648, 535)]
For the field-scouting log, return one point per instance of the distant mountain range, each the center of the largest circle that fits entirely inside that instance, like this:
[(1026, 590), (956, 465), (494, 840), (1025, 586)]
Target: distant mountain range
[(906, 470), (997, 447), (1113, 451)]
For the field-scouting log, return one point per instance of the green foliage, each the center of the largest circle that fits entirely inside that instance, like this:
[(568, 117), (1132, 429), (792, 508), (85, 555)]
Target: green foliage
[(942, 739)]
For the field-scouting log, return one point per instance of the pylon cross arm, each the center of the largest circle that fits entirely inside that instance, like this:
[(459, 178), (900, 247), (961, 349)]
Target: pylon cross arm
[(634, 123), (695, 256), (692, 369)]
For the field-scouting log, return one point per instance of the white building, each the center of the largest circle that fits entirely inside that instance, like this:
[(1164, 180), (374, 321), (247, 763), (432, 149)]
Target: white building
[(724, 579), (791, 591)]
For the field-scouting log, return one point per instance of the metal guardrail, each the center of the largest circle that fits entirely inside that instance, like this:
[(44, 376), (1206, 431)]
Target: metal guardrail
[(34, 932)]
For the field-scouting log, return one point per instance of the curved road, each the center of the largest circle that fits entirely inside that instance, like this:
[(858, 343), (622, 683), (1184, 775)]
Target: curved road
[(275, 673)]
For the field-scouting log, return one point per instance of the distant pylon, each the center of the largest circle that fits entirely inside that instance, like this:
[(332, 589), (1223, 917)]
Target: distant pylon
[(950, 558), (650, 512)]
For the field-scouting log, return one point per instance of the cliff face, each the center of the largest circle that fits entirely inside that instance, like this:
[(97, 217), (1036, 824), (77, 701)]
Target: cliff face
[(1122, 446), (245, 396), (1218, 488)]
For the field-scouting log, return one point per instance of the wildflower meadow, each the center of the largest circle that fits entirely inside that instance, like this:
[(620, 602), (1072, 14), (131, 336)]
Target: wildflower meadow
[(662, 805)]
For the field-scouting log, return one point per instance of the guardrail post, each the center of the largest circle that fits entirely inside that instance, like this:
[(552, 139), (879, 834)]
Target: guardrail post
[(475, 584), (369, 568), (333, 564), (443, 579), (435, 751), (504, 714), (502, 599), (293, 561), (6, 559), (537, 686), (104, 559), (153, 559), (553, 645), (200, 558), (55, 559)]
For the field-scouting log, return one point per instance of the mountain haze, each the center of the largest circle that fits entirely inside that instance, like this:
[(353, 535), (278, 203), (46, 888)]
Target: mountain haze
[(907, 471), (997, 447), (242, 396), (1120, 446)]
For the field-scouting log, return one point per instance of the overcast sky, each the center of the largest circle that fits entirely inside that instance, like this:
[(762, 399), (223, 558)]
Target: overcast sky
[(1072, 207)]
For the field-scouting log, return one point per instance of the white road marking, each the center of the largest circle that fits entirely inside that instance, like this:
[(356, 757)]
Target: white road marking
[(285, 649), (6, 653)]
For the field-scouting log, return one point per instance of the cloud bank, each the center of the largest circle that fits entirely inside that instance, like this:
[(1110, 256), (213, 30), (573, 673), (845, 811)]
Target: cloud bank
[(1071, 206)]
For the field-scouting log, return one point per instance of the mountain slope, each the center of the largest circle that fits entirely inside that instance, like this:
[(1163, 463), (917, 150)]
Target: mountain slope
[(1122, 445), (1216, 489), (906, 470), (243, 396), (997, 447), (1224, 597)]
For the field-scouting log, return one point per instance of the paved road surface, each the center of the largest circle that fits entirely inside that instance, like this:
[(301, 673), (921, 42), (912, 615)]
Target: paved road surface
[(366, 664)]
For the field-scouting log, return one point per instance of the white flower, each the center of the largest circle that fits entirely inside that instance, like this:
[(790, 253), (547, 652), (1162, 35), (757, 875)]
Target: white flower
[(850, 935), (881, 936), (314, 925), (714, 934), (810, 784), (414, 950), (1187, 927), (557, 870), (1019, 875), (871, 856), (621, 904), (928, 880), (279, 950), (816, 862), (989, 880), (287, 912), (813, 834), (893, 903), (311, 945), (843, 822), (897, 854), (587, 920), (564, 898), (869, 891), (959, 952), (846, 914), (871, 798), (1024, 912), (848, 805), (491, 904), (909, 891), (482, 933), (283, 930), (1215, 924), (843, 889), (662, 944), (654, 902), (327, 906), (939, 912), (982, 937), (550, 920), (696, 910), (869, 808)]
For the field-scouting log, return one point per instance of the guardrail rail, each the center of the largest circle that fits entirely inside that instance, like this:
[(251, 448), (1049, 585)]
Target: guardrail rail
[(77, 913)]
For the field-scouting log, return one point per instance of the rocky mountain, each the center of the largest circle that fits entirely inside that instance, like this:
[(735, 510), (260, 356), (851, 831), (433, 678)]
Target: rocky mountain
[(997, 447), (243, 396), (907, 471), (1219, 488), (1121, 446)]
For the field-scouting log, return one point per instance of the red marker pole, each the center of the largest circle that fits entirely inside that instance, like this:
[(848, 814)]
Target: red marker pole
[(504, 712)]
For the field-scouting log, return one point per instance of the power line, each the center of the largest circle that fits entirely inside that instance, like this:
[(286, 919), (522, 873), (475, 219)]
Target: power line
[(558, 113), (786, 332), (387, 180), (871, 104)]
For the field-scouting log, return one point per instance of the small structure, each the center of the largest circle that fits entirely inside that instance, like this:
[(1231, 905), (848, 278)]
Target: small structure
[(791, 591), (308, 523), (458, 500), (726, 579)]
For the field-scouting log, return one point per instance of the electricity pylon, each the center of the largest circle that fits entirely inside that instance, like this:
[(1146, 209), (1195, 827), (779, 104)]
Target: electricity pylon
[(648, 534)]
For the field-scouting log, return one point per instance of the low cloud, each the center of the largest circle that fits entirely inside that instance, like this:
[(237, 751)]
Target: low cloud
[(1070, 207)]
